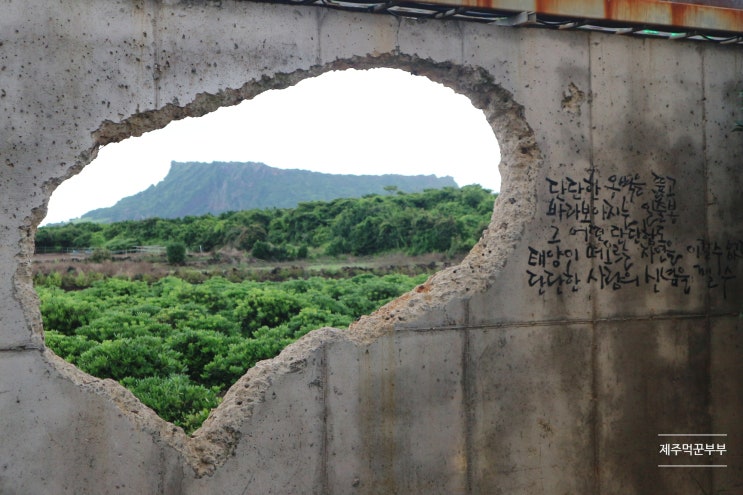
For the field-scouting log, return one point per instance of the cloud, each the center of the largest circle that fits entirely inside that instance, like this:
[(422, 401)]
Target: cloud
[(363, 122)]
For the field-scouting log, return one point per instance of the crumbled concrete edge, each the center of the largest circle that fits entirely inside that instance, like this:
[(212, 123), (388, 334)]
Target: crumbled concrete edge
[(513, 210), (140, 416), (23, 289), (515, 207), (217, 439)]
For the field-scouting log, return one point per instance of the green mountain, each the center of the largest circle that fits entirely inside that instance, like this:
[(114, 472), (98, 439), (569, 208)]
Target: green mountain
[(193, 188)]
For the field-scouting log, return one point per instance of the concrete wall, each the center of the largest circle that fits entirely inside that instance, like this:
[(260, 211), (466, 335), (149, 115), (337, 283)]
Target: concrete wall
[(600, 309)]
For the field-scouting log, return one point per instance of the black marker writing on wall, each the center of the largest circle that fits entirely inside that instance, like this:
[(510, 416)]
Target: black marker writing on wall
[(620, 233)]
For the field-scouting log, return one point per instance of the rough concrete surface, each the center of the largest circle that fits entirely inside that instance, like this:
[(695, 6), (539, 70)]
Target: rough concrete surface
[(599, 310)]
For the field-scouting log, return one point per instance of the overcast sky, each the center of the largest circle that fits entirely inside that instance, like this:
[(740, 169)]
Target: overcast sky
[(350, 122)]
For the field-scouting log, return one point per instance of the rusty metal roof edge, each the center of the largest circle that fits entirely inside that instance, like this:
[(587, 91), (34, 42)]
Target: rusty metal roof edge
[(660, 13), (557, 14)]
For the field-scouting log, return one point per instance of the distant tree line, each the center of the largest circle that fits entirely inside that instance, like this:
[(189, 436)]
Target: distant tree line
[(436, 220)]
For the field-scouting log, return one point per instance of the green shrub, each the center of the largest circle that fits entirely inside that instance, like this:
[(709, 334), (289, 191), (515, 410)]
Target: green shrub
[(180, 314), (313, 318), (270, 252), (123, 324), (114, 289), (68, 347), (138, 357), (175, 398), (65, 313), (214, 323), (337, 247), (198, 348), (266, 307), (100, 254), (176, 253), (227, 367), (302, 252), (53, 279)]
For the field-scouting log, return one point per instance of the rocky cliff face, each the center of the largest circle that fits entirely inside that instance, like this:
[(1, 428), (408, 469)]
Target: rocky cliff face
[(198, 188)]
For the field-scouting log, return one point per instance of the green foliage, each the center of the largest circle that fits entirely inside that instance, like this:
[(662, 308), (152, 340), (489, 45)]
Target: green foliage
[(120, 323), (311, 318), (176, 253), (73, 235), (63, 312), (266, 307), (198, 348), (436, 220), (53, 279), (100, 254), (68, 347), (228, 366), (120, 244), (175, 398), (137, 357), (302, 252), (69, 280), (179, 345)]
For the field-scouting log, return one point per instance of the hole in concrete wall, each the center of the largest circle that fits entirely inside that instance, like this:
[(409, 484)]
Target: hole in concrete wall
[(162, 337), (221, 433)]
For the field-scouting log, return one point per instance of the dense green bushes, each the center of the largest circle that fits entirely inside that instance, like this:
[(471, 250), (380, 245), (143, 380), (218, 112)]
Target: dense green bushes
[(178, 345), (437, 220)]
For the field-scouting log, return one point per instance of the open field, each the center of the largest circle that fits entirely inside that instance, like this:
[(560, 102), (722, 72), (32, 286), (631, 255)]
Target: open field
[(77, 269)]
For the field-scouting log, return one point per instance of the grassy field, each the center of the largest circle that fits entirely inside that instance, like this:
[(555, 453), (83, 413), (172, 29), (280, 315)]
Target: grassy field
[(78, 270)]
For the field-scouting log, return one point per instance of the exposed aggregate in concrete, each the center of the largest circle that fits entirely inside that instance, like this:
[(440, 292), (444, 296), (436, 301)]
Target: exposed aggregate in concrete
[(473, 382), (216, 440)]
